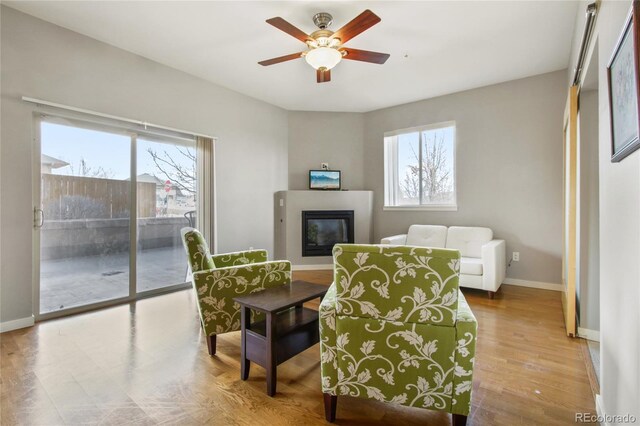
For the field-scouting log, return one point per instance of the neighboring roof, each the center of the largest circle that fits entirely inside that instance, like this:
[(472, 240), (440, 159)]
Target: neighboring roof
[(52, 161), (149, 178)]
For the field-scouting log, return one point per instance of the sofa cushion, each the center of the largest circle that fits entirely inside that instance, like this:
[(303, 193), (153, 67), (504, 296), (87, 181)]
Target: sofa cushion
[(427, 236), (471, 265), (468, 240), (471, 281)]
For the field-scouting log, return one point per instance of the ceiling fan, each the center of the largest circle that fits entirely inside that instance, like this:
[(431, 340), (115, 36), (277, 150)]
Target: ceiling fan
[(325, 47)]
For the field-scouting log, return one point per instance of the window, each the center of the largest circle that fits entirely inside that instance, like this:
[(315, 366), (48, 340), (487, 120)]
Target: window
[(420, 168)]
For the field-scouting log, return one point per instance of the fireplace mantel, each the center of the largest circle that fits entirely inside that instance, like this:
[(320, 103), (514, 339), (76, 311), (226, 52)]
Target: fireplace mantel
[(288, 209)]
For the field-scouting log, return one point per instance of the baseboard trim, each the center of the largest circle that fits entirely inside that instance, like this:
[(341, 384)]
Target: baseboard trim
[(16, 324), (533, 284), (324, 267), (602, 416), (585, 333)]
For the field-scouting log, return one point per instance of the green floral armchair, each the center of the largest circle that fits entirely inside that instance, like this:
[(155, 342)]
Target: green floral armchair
[(218, 279), (395, 328)]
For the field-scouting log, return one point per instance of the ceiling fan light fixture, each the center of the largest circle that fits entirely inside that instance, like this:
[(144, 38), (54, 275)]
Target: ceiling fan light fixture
[(325, 47), (323, 57)]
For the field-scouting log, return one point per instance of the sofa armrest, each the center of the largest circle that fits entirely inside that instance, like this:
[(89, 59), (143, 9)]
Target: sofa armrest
[(239, 258), (464, 356), (494, 264), (395, 240), (216, 289), (328, 350)]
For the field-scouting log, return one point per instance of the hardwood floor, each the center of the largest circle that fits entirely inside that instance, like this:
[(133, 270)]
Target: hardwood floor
[(147, 363)]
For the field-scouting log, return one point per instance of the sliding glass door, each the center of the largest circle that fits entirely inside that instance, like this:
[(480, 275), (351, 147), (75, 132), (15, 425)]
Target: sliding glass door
[(94, 247), (85, 219), (166, 203)]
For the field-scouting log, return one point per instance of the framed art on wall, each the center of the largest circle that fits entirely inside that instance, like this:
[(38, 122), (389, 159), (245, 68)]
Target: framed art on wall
[(624, 89)]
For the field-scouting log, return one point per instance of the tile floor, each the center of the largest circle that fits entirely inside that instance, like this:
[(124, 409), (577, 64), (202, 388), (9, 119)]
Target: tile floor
[(82, 280)]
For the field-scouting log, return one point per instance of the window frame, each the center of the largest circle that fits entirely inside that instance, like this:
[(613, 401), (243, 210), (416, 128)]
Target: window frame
[(392, 179)]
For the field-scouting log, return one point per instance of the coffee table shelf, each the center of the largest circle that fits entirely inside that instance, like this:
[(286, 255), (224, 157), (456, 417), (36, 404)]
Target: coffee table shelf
[(296, 331), (289, 328), (286, 322)]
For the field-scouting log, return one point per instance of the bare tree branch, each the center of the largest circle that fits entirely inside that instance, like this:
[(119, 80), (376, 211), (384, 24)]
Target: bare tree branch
[(183, 177), (88, 171), (436, 174)]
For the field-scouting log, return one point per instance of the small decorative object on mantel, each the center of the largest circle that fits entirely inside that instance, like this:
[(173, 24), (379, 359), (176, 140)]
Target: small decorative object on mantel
[(624, 89), (325, 179)]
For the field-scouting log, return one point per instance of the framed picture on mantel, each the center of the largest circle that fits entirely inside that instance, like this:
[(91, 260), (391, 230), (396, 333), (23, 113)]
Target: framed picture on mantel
[(325, 179), (624, 89)]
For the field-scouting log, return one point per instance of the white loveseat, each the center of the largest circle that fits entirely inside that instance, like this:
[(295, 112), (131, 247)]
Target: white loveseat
[(483, 259)]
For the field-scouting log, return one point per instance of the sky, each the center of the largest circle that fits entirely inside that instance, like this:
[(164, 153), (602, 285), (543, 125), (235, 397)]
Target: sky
[(100, 149), (112, 151), (410, 140)]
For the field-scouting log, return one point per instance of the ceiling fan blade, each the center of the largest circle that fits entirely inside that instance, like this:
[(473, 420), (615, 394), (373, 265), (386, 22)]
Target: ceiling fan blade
[(288, 28), (280, 59), (360, 23), (365, 55), (323, 76)]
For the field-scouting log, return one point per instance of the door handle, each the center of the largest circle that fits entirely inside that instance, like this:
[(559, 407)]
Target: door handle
[(38, 217)]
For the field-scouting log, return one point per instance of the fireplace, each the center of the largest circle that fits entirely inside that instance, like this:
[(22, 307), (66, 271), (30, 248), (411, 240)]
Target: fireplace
[(321, 229)]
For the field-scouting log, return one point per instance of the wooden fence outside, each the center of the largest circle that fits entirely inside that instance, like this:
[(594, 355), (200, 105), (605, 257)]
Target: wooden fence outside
[(79, 197)]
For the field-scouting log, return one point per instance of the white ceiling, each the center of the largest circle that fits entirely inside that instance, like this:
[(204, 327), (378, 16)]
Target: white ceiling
[(436, 47)]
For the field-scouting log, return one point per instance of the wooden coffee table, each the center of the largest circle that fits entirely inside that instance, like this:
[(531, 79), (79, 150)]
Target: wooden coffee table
[(285, 333)]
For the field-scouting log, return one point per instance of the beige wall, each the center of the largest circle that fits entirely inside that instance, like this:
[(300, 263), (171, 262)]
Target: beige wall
[(509, 163), (289, 206), (326, 137), (509, 167), (619, 235), (48, 62)]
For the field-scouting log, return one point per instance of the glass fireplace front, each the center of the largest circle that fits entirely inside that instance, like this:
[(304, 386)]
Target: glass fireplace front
[(321, 229)]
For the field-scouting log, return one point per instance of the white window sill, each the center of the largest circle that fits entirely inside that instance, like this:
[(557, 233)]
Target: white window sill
[(421, 208)]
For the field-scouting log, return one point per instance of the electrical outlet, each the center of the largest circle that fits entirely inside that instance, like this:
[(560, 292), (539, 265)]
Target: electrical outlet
[(516, 256), (324, 166), (281, 202)]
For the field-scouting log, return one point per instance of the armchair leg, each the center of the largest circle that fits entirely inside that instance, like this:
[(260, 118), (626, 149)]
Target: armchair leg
[(330, 404), (211, 344), (492, 294), (458, 420)]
